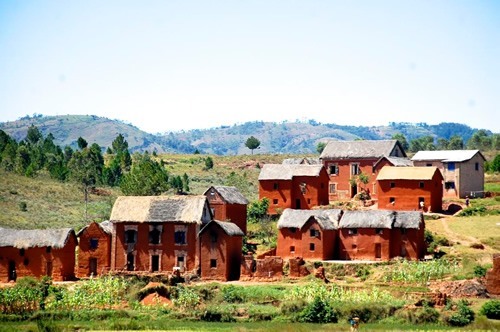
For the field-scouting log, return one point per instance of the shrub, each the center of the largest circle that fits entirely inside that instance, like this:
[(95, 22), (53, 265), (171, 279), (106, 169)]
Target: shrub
[(464, 315), (318, 311), (479, 271), (491, 309), (230, 294), (23, 206), (472, 211)]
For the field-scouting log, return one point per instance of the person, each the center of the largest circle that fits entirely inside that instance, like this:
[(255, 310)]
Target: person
[(422, 205), (354, 321), (466, 201)]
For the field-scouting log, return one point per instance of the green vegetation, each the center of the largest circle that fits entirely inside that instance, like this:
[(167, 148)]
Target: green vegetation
[(491, 309)]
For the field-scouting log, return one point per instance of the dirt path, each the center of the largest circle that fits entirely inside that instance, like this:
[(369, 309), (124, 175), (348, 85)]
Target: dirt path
[(452, 236)]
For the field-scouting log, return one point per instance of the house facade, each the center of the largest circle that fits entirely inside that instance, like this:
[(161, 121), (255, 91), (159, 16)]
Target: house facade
[(309, 234), (346, 160), (94, 249), (410, 188), (293, 186), (462, 170), (408, 235), (221, 244), (157, 233), (37, 253), (228, 204)]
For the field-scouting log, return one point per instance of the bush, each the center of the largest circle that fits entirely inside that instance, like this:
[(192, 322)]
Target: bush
[(230, 294), (318, 311), (479, 271), (491, 309), (464, 315)]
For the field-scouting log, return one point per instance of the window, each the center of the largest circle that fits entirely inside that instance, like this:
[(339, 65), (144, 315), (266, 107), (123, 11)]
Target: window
[(292, 249), (311, 246), (333, 188), (48, 250), (130, 236), (393, 184), (355, 169), (379, 231), (392, 200), (333, 169), (94, 243), (403, 231), (352, 231), (180, 237), (449, 185), (21, 252), (275, 201), (293, 230), (308, 201), (421, 184), (314, 232), (451, 166), (428, 165), (275, 186), (154, 235), (213, 237), (476, 166), (303, 187), (213, 263)]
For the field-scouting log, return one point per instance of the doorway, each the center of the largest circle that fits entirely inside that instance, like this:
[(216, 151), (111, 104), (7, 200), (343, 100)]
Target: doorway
[(297, 203), (130, 262), (378, 251), (354, 190), (155, 263), (12, 271), (93, 266)]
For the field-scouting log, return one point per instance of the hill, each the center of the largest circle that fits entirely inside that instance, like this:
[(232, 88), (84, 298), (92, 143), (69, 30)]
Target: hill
[(286, 137)]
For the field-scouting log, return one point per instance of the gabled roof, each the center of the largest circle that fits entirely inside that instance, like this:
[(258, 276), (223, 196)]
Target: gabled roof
[(396, 161), (185, 209), (230, 194), (367, 219), (301, 161), (287, 172), (229, 228), (31, 238), (106, 226), (360, 149), (327, 219), (407, 173), (446, 156), (408, 219)]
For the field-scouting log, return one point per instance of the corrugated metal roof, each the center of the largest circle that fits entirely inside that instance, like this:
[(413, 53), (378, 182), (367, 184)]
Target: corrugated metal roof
[(287, 172), (446, 155), (230, 194), (407, 173), (30, 238), (327, 218), (186, 209), (359, 149)]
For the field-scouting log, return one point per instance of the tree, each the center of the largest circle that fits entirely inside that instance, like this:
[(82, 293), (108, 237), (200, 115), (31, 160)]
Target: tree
[(252, 143), (209, 163), (456, 143), (147, 177), (402, 140), (33, 135), (119, 144), (320, 147), (480, 140), (82, 143)]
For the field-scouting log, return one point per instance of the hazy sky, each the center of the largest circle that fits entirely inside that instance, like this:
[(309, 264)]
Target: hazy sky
[(173, 65)]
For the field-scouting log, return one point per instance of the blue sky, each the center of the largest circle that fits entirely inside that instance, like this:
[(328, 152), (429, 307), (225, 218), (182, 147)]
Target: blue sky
[(174, 65)]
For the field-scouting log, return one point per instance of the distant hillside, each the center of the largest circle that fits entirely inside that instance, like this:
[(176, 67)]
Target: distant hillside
[(285, 137)]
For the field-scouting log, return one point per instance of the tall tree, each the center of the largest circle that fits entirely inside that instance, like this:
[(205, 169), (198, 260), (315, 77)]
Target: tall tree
[(146, 177), (320, 147), (402, 140), (252, 143)]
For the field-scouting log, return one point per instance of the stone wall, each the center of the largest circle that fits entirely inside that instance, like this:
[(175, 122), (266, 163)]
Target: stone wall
[(493, 276)]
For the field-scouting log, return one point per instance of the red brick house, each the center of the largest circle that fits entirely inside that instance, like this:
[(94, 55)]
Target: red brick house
[(410, 188), (37, 253), (228, 204), (94, 249), (293, 186), (365, 235), (462, 170), (157, 233), (381, 235), (407, 235), (309, 234), (345, 160), (221, 256)]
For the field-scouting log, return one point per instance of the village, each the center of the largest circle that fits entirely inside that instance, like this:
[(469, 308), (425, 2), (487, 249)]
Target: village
[(202, 235)]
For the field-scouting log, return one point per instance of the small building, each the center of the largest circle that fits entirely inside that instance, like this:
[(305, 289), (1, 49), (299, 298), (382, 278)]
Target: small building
[(157, 233), (410, 188), (221, 250), (365, 235), (94, 249), (408, 235), (462, 170), (309, 234), (37, 253), (292, 186), (228, 204), (345, 160)]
